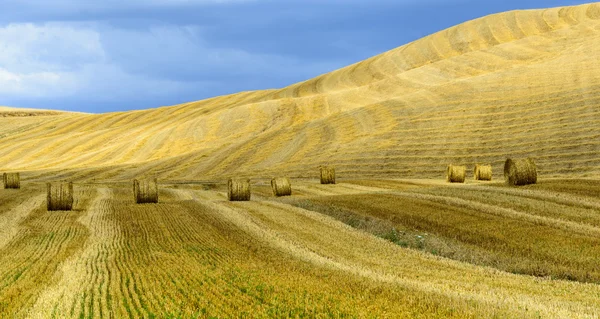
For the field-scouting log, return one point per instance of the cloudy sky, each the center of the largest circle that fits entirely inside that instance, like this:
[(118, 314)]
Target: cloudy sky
[(110, 55)]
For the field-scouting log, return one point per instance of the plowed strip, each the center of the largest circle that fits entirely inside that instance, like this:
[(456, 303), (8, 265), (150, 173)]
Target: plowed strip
[(9, 221)]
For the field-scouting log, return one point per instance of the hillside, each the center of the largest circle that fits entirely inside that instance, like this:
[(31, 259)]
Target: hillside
[(391, 239), (6, 111), (521, 83)]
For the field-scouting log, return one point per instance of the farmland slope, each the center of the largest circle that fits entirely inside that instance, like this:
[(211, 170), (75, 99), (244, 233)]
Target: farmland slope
[(387, 241), (521, 83)]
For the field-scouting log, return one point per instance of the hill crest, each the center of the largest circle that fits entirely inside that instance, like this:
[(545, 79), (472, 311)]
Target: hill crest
[(519, 83)]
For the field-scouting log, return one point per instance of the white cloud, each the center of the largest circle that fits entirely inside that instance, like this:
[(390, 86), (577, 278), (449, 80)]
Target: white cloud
[(49, 47), (43, 60), (36, 84), (105, 63), (101, 63), (57, 60)]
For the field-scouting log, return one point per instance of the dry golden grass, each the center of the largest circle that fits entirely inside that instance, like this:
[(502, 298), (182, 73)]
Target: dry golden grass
[(519, 83), (198, 255), (206, 262), (39, 244), (257, 259), (522, 83), (22, 112), (526, 231)]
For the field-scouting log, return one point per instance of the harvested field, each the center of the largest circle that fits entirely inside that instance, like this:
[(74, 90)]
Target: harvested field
[(299, 255), (272, 257), (519, 232), (524, 88), (390, 238)]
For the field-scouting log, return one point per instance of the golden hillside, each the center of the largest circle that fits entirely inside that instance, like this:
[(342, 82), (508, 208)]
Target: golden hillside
[(522, 83), (378, 244), (6, 111)]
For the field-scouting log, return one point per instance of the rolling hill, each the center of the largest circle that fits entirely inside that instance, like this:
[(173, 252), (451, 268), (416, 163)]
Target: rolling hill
[(522, 83), (391, 239)]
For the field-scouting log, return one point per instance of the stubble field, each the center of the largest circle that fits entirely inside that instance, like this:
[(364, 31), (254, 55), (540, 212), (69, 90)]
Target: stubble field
[(392, 239), (327, 251)]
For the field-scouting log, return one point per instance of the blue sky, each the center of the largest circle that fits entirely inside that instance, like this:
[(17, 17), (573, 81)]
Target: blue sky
[(113, 55)]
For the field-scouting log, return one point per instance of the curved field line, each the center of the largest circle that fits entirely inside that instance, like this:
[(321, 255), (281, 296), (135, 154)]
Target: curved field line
[(555, 197), (583, 229), (239, 215), (10, 220), (31, 259), (66, 298), (340, 188)]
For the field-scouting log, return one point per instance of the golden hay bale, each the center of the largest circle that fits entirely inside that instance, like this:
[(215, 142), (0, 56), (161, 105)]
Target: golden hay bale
[(455, 174), (482, 172), (327, 175), (520, 171), (145, 191), (59, 196), (11, 180), (281, 186), (238, 189)]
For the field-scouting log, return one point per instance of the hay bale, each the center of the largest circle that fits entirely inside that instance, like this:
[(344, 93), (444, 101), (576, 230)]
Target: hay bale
[(327, 175), (145, 191), (238, 189), (520, 171), (11, 180), (59, 196), (482, 172), (281, 186), (455, 174)]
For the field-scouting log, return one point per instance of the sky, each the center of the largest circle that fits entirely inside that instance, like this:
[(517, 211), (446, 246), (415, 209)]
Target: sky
[(119, 55)]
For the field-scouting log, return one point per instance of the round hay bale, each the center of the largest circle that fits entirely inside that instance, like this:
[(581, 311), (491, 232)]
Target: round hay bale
[(145, 191), (482, 172), (455, 174), (59, 196), (238, 189), (11, 180), (520, 171), (281, 186), (327, 175)]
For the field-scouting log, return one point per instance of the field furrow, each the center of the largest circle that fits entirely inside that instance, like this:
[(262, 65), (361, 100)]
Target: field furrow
[(392, 239), (460, 223), (79, 273), (31, 260), (325, 242), (10, 220)]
